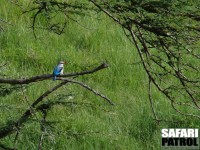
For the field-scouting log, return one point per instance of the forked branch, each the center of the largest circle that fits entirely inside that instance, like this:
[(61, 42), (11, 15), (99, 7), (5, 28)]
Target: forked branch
[(33, 108)]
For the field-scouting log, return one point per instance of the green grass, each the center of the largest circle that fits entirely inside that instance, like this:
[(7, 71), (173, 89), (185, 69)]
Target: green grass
[(128, 125)]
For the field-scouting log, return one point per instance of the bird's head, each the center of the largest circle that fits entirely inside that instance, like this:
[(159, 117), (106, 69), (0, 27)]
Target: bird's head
[(62, 62)]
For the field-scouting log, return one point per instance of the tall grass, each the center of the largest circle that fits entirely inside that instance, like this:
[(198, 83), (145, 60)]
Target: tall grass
[(128, 125)]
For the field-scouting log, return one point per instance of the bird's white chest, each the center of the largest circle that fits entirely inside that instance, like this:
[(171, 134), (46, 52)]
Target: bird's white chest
[(61, 72), (61, 66)]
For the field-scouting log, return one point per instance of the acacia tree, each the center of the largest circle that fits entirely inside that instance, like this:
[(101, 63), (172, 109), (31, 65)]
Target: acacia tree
[(164, 33), (49, 11), (166, 36)]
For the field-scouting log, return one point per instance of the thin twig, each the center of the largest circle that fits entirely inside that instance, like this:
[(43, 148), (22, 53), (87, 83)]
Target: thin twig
[(88, 88), (154, 81), (151, 102)]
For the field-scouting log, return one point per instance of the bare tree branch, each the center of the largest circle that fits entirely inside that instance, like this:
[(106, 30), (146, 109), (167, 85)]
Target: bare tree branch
[(163, 50), (151, 102), (48, 76), (16, 125), (88, 88), (5, 131)]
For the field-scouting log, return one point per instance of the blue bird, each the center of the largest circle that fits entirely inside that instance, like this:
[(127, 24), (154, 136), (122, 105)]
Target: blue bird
[(58, 70)]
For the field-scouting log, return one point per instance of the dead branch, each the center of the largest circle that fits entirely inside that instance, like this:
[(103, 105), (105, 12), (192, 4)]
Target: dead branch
[(48, 76), (10, 128), (88, 88), (134, 37), (151, 102), (16, 125)]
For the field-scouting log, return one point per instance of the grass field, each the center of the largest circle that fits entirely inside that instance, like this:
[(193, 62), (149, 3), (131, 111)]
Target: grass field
[(92, 123)]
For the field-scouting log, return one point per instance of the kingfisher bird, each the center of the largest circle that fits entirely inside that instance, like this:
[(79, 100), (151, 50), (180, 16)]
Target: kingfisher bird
[(58, 70)]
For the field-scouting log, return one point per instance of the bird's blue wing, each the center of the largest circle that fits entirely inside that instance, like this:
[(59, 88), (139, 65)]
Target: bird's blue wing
[(57, 70)]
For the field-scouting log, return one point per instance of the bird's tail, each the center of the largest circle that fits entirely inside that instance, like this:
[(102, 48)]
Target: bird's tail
[(54, 78)]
